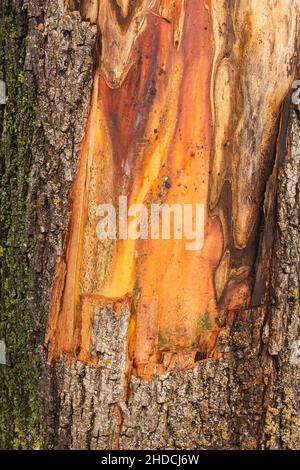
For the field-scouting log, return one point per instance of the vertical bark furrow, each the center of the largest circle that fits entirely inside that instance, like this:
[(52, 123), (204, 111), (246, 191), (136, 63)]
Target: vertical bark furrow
[(64, 66), (282, 331)]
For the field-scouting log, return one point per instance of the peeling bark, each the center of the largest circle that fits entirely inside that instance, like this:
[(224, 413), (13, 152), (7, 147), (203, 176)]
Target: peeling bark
[(198, 118)]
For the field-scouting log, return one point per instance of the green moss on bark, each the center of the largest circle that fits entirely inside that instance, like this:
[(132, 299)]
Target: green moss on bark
[(18, 397)]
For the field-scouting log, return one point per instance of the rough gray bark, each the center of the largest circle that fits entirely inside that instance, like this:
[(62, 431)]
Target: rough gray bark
[(248, 399)]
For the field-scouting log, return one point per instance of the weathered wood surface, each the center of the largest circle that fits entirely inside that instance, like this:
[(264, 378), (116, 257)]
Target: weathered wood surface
[(214, 97)]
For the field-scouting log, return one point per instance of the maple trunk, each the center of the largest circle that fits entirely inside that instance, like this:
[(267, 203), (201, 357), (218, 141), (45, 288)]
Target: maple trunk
[(148, 343)]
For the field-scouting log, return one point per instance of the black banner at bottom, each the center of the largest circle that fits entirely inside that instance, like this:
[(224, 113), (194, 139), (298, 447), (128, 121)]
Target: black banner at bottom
[(134, 459)]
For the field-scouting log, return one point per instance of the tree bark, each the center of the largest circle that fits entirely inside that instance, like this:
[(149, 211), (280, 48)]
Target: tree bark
[(143, 344)]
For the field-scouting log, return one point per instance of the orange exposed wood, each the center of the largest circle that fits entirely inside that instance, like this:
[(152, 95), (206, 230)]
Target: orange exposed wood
[(163, 109)]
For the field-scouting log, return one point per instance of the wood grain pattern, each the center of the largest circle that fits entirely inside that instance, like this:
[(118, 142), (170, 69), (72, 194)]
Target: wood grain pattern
[(187, 92), (253, 71)]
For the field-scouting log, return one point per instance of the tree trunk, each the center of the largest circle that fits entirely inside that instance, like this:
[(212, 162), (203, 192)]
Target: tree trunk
[(150, 343)]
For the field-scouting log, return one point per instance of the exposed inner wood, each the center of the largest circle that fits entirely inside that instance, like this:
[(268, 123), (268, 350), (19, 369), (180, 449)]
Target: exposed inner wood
[(185, 105)]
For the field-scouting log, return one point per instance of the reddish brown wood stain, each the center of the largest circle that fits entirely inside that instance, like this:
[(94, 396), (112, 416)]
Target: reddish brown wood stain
[(152, 125)]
